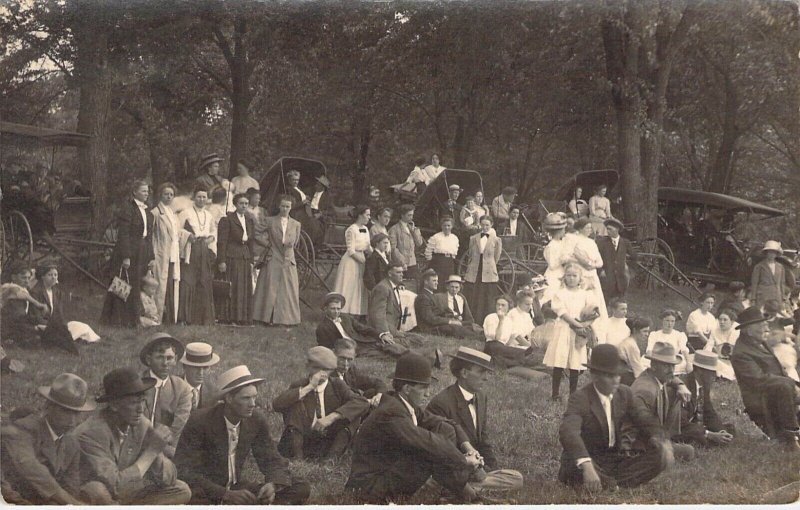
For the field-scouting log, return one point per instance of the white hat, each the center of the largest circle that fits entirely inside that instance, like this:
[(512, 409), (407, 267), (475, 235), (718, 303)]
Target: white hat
[(234, 378), (773, 245), (199, 354)]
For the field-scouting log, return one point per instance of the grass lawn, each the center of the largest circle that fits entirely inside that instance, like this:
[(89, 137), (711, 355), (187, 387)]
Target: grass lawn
[(524, 424)]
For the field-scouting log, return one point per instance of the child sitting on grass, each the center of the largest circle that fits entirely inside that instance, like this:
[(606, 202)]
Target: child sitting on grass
[(150, 310)]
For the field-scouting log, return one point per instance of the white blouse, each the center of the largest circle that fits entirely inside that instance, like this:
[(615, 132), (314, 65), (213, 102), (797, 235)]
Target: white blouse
[(203, 225), (699, 322), (356, 238), (440, 243)]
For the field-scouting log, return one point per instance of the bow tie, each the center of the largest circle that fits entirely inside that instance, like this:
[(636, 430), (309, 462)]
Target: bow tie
[(362, 230), (399, 287), (337, 320), (484, 235), (471, 401)]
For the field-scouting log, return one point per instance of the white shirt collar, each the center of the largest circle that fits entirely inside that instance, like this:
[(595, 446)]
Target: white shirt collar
[(53, 434), (159, 382), (603, 398), (141, 205), (230, 426), (321, 387), (467, 395), (408, 406)]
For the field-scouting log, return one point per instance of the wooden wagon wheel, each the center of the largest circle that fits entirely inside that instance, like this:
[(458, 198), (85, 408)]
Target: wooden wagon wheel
[(17, 237), (505, 270), (305, 259), (663, 266)]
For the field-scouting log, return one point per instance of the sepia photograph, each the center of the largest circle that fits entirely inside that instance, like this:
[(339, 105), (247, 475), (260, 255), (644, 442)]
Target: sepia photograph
[(399, 252)]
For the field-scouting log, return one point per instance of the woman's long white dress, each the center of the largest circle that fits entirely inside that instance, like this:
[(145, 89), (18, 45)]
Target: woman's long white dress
[(350, 274)]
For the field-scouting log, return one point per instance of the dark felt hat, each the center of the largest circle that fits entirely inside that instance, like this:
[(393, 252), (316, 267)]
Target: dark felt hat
[(751, 315), (68, 391), (124, 382), (605, 358), (414, 368), (615, 222), (156, 339)]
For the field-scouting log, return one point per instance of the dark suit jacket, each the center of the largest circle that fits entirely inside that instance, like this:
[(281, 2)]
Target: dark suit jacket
[(584, 429), (425, 310), (202, 454), (443, 310), (384, 309), (374, 270), (615, 278), (755, 366), (328, 333), (208, 394), (450, 404), (764, 285), (388, 446), (34, 465), (129, 235), (338, 398), (362, 383), (18, 323), (57, 306), (229, 240)]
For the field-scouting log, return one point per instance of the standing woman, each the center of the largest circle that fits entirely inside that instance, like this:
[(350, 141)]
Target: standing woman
[(480, 204), (485, 249), (198, 254), (587, 254), (277, 296), (557, 252), (441, 252), (565, 352), (768, 280), (166, 253), (132, 256), (381, 223), (235, 260), (600, 210), (350, 274)]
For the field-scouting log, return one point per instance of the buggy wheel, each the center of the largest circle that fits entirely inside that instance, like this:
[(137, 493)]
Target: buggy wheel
[(505, 270), (17, 238), (306, 256), (658, 260)]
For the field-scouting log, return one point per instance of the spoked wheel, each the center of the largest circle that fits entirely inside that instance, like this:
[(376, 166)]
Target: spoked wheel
[(505, 271), (17, 238), (327, 261), (305, 260), (658, 259)]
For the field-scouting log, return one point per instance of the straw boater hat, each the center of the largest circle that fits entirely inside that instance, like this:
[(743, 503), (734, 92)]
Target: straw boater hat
[(773, 246), (68, 391), (665, 353), (454, 278), (234, 378), (614, 222), (705, 359), (208, 159), (157, 338), (124, 382), (412, 367), (538, 283), (554, 221), (454, 187), (199, 354), (752, 315), (475, 357), (333, 296)]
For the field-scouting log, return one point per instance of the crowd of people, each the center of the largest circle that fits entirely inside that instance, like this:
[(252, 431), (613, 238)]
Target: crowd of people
[(168, 438)]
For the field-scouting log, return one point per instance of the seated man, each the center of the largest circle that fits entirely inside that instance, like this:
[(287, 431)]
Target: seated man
[(122, 453), (450, 312), (369, 387), (19, 325), (590, 431), (196, 361), (385, 313), (320, 414), (370, 341), (507, 333), (169, 402), (218, 440), (470, 367), (701, 411), (400, 446), (662, 394), (41, 460), (536, 289), (769, 396)]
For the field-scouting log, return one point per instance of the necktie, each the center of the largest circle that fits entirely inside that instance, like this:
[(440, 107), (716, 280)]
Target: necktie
[(456, 310), (233, 442), (195, 398), (362, 230), (473, 412), (612, 434), (155, 405), (318, 412), (484, 235)]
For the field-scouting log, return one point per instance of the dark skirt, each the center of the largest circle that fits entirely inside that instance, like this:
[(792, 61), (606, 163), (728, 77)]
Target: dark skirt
[(196, 301), (480, 296), (240, 274), (117, 312), (444, 267)]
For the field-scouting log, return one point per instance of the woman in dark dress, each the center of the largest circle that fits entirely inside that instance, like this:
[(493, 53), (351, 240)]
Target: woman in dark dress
[(485, 249), (235, 260), (196, 297), (378, 261), (132, 256)]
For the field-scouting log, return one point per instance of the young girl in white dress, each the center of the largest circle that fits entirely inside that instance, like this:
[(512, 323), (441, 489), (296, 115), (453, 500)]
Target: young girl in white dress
[(556, 253), (564, 352), (350, 274)]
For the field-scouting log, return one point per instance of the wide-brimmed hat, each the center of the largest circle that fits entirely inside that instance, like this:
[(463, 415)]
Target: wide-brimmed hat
[(199, 354), (750, 316), (554, 221), (322, 357), (322, 179), (156, 339), (455, 278), (773, 246), (234, 378), (412, 367), (605, 358), (124, 382), (208, 159), (333, 296), (665, 353), (538, 283), (377, 238), (615, 222), (68, 391), (705, 359), (474, 356)]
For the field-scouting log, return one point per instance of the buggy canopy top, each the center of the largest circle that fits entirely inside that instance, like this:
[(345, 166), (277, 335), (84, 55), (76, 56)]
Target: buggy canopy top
[(273, 183), (712, 200), (23, 134)]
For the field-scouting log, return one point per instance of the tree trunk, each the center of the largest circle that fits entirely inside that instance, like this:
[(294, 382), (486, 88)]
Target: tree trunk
[(240, 97), (722, 168), (91, 68)]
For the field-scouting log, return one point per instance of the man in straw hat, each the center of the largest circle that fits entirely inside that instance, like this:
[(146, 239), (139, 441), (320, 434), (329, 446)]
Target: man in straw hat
[(218, 440), (701, 410), (41, 460), (122, 452), (615, 251), (662, 393), (321, 414), (591, 431), (198, 358), (466, 405), (400, 446), (369, 340), (768, 280), (169, 401), (449, 314), (768, 395)]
